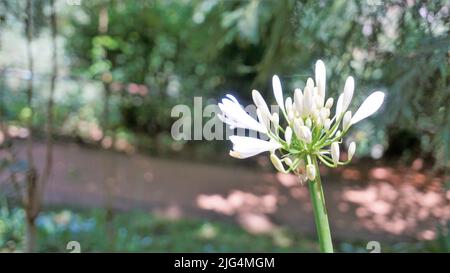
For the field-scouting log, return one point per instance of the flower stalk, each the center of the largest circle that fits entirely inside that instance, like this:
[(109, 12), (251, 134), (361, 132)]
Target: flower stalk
[(320, 212), (310, 134)]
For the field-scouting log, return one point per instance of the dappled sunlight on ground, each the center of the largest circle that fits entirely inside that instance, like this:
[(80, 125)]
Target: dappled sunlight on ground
[(364, 200), (401, 201), (172, 211), (249, 208), (396, 210)]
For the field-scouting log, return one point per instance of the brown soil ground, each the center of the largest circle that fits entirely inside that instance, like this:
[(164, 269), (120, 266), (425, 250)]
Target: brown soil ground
[(365, 201)]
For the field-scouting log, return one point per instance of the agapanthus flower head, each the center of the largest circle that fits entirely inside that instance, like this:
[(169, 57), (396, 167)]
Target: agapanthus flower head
[(308, 131)]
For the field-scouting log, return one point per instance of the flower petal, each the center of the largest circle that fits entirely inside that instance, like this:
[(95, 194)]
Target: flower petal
[(278, 92), (262, 119), (339, 104), (250, 146), (298, 100), (308, 97), (233, 98), (346, 120), (302, 132), (321, 78), (311, 172), (236, 113), (335, 152), (369, 106), (261, 103), (288, 135), (277, 163), (349, 88), (351, 150)]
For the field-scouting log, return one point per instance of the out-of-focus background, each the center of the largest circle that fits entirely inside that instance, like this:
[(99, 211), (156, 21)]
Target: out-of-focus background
[(103, 169)]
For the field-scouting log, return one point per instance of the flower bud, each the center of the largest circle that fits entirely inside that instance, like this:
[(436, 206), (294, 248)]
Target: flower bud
[(335, 152), (302, 132), (311, 172), (351, 150), (315, 114), (261, 104), (329, 103), (288, 135), (289, 108), (319, 101), (299, 121), (277, 163), (320, 73), (288, 161), (346, 121), (275, 120), (262, 119), (288, 103), (327, 124), (349, 87), (308, 123), (298, 100), (324, 113), (319, 121), (308, 97)]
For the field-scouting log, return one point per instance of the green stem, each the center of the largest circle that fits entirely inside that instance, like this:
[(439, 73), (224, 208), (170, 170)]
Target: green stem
[(320, 212)]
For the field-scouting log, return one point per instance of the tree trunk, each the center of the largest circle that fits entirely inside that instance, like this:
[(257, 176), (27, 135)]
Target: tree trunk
[(31, 192), (50, 103), (30, 239)]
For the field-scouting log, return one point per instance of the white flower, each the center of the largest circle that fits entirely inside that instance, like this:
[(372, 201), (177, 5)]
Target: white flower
[(310, 132), (369, 106), (335, 152), (244, 147), (235, 116)]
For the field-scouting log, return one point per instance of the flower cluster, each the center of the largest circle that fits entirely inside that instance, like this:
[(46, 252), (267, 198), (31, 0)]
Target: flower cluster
[(309, 132)]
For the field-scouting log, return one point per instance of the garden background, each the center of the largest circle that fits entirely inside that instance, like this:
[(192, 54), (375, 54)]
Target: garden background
[(86, 152)]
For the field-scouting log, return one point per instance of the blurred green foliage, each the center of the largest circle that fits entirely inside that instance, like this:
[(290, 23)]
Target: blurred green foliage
[(140, 231), (151, 55), (211, 47)]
